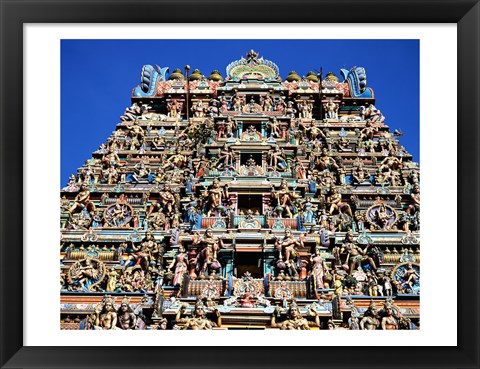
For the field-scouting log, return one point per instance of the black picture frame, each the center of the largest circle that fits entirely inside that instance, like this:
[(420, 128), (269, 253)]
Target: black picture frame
[(466, 13)]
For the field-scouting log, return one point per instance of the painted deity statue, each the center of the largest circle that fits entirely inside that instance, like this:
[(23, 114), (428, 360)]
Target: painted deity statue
[(319, 270), (287, 246), (215, 197), (355, 254), (105, 315), (144, 252), (207, 256), (370, 320), (199, 320), (285, 200), (295, 321), (180, 262), (82, 201), (126, 318)]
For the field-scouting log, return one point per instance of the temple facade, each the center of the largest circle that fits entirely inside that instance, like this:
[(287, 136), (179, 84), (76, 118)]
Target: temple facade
[(244, 201)]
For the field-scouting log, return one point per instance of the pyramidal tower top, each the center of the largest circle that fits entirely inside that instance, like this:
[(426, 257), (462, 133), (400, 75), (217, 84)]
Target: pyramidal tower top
[(240, 200)]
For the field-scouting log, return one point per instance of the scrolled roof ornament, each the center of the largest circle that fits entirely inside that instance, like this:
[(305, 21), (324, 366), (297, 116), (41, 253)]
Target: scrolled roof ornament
[(252, 67)]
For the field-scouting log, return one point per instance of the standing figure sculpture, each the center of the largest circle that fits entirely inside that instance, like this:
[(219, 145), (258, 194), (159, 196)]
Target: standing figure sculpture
[(207, 256), (368, 132), (216, 195), (110, 158), (278, 159), (285, 200), (320, 271), (305, 108), (199, 109), (112, 280), (214, 108), (355, 254), (110, 175), (388, 321), (280, 106), (274, 127), (226, 157), (238, 102), (137, 135), (415, 197), (266, 102), (230, 127), (287, 246), (370, 320), (331, 109), (290, 110), (126, 318), (174, 108), (105, 315), (180, 261)]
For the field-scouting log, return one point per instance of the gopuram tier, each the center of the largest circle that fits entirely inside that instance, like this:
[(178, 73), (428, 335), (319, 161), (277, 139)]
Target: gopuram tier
[(245, 201)]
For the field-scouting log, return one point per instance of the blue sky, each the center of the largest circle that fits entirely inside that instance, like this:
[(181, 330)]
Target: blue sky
[(97, 78)]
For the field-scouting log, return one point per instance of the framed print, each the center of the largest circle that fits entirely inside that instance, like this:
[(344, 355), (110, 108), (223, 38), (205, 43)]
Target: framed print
[(127, 240)]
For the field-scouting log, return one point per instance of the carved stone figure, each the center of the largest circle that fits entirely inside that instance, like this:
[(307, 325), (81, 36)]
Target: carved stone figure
[(336, 203), (144, 253), (388, 321), (166, 202), (199, 109), (370, 320), (252, 107), (199, 320), (410, 276), (131, 113), (277, 159), (112, 280), (105, 315), (180, 263), (82, 201), (295, 321), (207, 255), (359, 173), (290, 110), (415, 197), (325, 161), (287, 246), (86, 274), (216, 195), (372, 114), (285, 200), (331, 109), (320, 271), (266, 102), (305, 108), (355, 255), (126, 318), (274, 127)]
